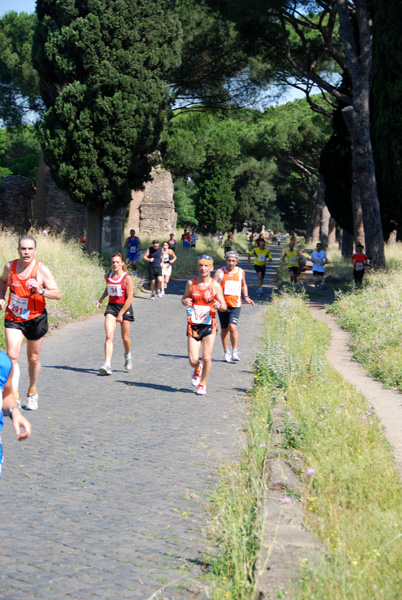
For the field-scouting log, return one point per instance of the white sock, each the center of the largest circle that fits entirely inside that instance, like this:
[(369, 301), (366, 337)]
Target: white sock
[(128, 356)]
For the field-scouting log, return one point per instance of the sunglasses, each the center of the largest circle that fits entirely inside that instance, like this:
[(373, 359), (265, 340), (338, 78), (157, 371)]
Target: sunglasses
[(204, 257)]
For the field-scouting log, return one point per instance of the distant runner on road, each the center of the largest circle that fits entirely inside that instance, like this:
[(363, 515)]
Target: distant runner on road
[(30, 282), (133, 245), (359, 260), (233, 282), (153, 256), (120, 289), (8, 404), (168, 258), (203, 296), (290, 258), (319, 259), (262, 255)]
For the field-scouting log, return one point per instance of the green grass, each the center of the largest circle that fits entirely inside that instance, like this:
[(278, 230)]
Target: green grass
[(352, 496), (373, 317)]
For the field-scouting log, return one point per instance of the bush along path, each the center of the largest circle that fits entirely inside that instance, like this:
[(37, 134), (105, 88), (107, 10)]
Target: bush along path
[(109, 497)]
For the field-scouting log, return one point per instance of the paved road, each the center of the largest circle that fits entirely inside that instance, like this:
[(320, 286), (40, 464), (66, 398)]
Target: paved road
[(108, 497)]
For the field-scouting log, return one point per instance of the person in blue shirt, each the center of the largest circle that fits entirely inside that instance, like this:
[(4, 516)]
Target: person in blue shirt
[(8, 404), (133, 246)]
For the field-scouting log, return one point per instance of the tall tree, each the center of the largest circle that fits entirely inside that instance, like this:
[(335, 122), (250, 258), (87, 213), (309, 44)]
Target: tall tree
[(19, 82), (102, 65), (312, 36)]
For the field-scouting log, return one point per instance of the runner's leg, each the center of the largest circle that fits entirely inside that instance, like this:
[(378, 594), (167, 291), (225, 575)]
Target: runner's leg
[(225, 338), (110, 326), (234, 335), (207, 347), (14, 339), (33, 353), (125, 335)]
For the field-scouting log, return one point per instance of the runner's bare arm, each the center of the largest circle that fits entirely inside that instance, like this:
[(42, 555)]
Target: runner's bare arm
[(217, 274), (186, 299), (244, 289), (22, 426), (48, 283), (129, 298), (219, 303), (101, 299), (145, 257), (174, 257), (3, 284)]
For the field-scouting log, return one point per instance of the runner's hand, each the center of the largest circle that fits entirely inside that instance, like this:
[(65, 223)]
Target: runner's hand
[(2, 304)]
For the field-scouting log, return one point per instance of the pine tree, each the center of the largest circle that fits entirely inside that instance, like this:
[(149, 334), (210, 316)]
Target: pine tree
[(102, 65)]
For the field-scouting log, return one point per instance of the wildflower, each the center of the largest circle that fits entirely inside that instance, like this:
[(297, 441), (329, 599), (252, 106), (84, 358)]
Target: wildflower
[(310, 472), (304, 386), (286, 500), (288, 414), (342, 405)]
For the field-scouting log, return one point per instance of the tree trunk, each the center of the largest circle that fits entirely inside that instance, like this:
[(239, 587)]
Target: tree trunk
[(392, 238), (347, 244), (358, 55), (94, 229), (332, 231), (324, 229)]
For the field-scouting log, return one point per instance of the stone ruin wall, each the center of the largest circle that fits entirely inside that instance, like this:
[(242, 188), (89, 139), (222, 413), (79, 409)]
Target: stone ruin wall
[(151, 211)]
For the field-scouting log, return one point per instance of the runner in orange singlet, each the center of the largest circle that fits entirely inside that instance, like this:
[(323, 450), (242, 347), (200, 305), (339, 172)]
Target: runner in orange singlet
[(30, 282), (233, 281), (202, 297)]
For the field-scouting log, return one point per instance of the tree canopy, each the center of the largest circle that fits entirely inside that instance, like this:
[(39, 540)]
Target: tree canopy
[(102, 65)]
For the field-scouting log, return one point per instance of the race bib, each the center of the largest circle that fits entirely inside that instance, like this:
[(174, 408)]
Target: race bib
[(359, 266), (114, 290), (262, 257), (232, 288), (19, 307), (293, 260), (201, 315), (318, 262)]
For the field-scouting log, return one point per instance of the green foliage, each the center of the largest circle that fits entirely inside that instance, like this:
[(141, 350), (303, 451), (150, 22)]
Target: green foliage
[(19, 82), (184, 201), (101, 65), (386, 110), (20, 151)]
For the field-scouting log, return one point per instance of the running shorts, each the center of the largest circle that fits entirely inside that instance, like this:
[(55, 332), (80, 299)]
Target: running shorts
[(294, 270), (132, 256), (167, 269), (199, 331), (114, 309), (154, 272), (33, 330), (260, 269), (229, 317), (318, 273)]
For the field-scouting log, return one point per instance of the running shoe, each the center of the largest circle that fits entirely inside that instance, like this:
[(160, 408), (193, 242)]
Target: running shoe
[(159, 294), (105, 369), (235, 355), (128, 364), (226, 356), (201, 390), (152, 296), (196, 378), (31, 402)]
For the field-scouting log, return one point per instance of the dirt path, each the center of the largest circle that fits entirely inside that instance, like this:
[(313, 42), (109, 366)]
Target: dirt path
[(387, 404)]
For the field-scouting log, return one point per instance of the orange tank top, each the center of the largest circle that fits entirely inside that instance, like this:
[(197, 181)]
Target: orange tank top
[(231, 285), (23, 303), (203, 300)]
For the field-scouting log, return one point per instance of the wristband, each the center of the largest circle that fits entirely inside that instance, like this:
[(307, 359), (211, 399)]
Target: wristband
[(42, 293), (10, 411)]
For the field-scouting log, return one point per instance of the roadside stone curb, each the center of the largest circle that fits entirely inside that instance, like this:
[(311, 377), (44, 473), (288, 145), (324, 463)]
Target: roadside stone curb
[(286, 545)]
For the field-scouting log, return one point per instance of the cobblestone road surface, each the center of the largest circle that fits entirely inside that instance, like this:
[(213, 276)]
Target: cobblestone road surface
[(107, 499)]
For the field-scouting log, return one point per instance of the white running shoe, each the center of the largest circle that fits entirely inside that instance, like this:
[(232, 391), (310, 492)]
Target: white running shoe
[(105, 369), (128, 364), (31, 402), (196, 378), (201, 390), (152, 296), (159, 294), (226, 356), (235, 356)]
